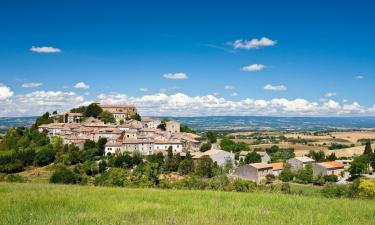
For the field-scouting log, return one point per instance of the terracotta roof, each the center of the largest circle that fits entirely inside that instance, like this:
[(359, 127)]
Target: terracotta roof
[(137, 141), (277, 166), (332, 165), (261, 165), (167, 141)]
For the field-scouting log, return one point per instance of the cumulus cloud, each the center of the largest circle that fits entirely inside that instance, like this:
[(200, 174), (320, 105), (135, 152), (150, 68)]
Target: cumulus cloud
[(234, 94), (253, 67), (359, 77), (38, 102), (45, 49), (270, 87), (330, 94), (175, 76), (81, 85), (143, 89), (253, 43), (180, 104), (32, 85), (228, 87), (5, 92)]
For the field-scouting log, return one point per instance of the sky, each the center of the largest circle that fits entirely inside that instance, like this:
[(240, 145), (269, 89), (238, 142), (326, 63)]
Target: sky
[(189, 58)]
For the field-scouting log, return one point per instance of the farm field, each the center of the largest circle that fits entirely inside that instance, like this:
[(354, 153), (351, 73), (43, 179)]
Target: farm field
[(63, 204)]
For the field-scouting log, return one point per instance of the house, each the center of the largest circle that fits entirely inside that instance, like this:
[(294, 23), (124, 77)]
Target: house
[(53, 129), (108, 133), (219, 156), (120, 112), (162, 144), (130, 134), (256, 172), (265, 157), (277, 168), (298, 163), (114, 147), (328, 168), (189, 141), (172, 127), (148, 122), (72, 117), (144, 146)]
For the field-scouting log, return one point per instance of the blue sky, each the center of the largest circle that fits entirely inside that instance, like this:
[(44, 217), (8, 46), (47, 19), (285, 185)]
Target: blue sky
[(322, 52)]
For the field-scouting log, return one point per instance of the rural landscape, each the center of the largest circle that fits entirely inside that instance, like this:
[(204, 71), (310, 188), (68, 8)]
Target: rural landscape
[(187, 112)]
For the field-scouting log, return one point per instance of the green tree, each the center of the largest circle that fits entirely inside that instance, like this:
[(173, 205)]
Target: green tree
[(89, 144), (44, 119), (252, 157), (211, 137), (368, 150), (101, 145), (305, 175), (185, 128), (63, 176), (205, 147), (45, 156), (332, 157), (136, 116), (107, 117), (93, 110), (205, 167), (286, 174), (186, 166), (358, 166), (318, 156)]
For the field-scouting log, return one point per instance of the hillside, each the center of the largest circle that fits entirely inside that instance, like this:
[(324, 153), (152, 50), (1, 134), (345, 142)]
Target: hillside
[(60, 204)]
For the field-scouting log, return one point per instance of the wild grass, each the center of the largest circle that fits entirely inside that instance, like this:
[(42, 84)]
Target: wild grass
[(62, 204)]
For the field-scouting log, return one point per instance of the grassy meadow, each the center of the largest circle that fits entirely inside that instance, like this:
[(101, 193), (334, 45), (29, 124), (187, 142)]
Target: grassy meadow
[(63, 204)]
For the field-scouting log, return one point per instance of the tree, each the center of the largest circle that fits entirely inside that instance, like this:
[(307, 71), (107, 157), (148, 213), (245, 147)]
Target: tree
[(205, 147), (101, 145), (93, 110), (358, 166), (252, 157), (205, 167), (211, 137), (44, 119), (185, 128), (286, 174), (107, 117), (156, 158), (89, 145), (332, 157), (186, 166), (172, 162), (305, 175), (368, 150), (318, 156), (136, 116), (63, 176), (45, 156)]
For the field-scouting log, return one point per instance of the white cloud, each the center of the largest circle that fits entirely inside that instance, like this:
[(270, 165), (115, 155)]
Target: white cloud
[(143, 89), (32, 85), (5, 92), (38, 102), (359, 77), (253, 67), (228, 87), (175, 76), (330, 94), (270, 87), (234, 94), (180, 104), (45, 49), (81, 85), (253, 43)]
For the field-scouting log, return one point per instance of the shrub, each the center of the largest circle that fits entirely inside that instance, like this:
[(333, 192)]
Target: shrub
[(367, 188), (334, 190), (305, 175), (286, 175), (240, 185), (13, 167), (63, 175), (45, 156), (15, 178), (112, 177), (205, 147), (205, 167), (285, 188), (331, 178)]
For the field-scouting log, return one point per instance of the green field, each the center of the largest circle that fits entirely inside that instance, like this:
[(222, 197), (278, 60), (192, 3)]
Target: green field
[(61, 204)]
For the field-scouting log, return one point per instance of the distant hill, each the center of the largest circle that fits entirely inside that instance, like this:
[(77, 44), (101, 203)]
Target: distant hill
[(8, 122), (244, 123)]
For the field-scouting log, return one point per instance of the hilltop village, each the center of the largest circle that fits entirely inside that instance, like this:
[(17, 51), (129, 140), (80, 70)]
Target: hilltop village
[(123, 133)]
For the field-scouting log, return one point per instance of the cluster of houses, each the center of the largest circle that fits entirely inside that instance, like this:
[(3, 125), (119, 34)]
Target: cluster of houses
[(258, 172), (126, 135)]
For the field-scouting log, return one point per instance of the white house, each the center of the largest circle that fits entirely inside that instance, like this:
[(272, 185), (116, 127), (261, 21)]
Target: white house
[(219, 156), (164, 144)]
